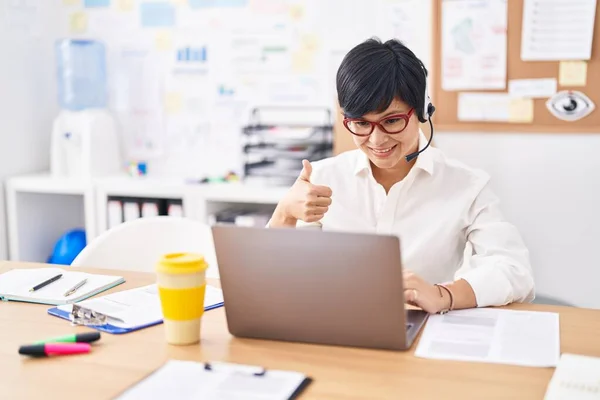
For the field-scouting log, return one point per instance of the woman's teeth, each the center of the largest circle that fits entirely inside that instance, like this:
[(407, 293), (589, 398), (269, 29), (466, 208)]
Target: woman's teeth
[(383, 151)]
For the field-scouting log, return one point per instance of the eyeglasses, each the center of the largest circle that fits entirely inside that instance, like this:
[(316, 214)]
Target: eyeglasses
[(391, 124)]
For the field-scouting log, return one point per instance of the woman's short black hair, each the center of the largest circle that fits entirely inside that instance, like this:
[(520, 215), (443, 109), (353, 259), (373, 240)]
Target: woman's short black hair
[(373, 74)]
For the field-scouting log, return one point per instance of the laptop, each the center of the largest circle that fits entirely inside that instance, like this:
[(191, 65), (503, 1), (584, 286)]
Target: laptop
[(312, 286)]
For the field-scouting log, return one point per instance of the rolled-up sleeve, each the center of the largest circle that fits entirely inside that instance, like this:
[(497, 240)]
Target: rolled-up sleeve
[(500, 270)]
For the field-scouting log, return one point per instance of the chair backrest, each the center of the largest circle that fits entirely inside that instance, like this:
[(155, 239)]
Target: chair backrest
[(137, 245)]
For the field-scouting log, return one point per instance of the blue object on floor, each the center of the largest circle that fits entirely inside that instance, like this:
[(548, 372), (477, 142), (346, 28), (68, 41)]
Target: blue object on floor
[(68, 247)]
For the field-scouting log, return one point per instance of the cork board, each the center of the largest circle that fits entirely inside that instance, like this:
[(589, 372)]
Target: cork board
[(445, 118)]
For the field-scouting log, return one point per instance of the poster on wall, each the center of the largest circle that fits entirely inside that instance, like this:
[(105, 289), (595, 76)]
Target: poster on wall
[(474, 44), (22, 16), (549, 36), (138, 102), (396, 19)]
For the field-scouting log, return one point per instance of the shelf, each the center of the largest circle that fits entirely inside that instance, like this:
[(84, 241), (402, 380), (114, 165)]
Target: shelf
[(161, 188), (40, 207), (45, 183), (125, 185), (243, 193)]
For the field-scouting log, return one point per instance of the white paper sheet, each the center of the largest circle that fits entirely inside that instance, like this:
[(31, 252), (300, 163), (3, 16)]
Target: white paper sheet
[(555, 30), (493, 335), (474, 44), (490, 107), (137, 307), (576, 377), (532, 88), (406, 20), (22, 16), (138, 97), (190, 380)]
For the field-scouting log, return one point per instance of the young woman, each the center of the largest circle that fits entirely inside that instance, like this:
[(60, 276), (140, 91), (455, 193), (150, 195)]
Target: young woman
[(395, 184)]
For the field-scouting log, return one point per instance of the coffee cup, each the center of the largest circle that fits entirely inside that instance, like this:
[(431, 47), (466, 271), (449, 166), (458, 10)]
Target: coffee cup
[(181, 279)]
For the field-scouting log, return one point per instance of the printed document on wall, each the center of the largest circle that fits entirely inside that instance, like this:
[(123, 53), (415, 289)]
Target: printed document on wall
[(474, 44), (409, 21), (557, 30), (487, 107), (138, 102)]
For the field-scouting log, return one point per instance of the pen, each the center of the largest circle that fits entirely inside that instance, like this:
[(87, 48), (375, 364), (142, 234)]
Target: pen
[(87, 337), (74, 288), (45, 283), (49, 349)]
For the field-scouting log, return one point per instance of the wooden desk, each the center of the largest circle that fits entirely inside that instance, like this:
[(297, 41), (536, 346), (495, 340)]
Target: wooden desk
[(339, 373)]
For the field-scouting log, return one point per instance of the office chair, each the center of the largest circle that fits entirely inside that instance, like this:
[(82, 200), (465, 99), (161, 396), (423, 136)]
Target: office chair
[(137, 245)]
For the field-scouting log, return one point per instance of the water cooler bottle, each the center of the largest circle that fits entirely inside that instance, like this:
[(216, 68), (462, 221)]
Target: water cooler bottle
[(85, 142)]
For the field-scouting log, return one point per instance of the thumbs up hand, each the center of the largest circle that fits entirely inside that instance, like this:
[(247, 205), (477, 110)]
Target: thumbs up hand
[(304, 201), (306, 171)]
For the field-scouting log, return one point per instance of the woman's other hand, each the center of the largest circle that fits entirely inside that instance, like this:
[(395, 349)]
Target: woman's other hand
[(420, 293)]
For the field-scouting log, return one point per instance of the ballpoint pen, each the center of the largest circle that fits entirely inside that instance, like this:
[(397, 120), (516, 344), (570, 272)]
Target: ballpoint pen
[(45, 283), (74, 288)]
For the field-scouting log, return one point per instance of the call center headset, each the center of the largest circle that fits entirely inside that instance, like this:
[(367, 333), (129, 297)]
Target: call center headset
[(428, 110)]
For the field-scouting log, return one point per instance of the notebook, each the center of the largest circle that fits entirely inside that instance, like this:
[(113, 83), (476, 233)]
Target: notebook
[(576, 377), (16, 283), (215, 381), (131, 310)]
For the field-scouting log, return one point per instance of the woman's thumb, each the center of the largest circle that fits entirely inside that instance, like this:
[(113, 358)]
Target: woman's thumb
[(306, 171)]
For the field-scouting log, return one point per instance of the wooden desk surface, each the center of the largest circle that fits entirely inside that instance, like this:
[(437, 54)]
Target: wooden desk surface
[(339, 373)]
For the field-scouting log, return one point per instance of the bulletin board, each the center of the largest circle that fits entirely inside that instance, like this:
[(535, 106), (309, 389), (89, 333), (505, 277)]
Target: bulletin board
[(446, 102)]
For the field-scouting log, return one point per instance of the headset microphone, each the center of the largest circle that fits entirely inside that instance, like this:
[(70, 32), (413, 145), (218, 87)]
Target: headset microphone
[(428, 110)]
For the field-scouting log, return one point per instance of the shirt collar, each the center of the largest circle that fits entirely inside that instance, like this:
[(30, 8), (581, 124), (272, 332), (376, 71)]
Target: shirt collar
[(424, 160)]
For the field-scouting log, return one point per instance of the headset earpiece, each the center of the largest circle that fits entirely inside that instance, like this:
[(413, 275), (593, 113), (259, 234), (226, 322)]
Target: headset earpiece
[(428, 108), (427, 112)]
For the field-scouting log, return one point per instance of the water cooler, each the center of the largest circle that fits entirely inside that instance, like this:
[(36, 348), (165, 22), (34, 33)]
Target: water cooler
[(85, 141)]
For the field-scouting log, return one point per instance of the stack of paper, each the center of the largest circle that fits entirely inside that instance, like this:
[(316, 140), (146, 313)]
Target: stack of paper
[(493, 335)]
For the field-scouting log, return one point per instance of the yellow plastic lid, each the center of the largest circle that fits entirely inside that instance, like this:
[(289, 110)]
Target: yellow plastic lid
[(182, 263)]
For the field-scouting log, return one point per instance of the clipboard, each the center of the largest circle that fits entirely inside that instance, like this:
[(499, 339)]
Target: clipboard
[(140, 309), (116, 330), (216, 379)]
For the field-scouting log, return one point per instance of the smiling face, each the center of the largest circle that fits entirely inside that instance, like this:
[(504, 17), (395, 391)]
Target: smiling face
[(387, 151)]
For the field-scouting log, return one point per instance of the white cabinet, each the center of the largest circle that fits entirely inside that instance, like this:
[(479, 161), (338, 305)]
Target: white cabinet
[(41, 208)]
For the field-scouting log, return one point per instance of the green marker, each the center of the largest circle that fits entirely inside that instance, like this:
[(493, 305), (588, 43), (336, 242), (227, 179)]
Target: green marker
[(87, 337)]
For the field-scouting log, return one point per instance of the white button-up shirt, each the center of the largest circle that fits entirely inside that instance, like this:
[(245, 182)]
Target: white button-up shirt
[(440, 207)]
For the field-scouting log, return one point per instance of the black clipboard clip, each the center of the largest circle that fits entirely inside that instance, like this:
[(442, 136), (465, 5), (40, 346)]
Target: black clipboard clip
[(263, 372)]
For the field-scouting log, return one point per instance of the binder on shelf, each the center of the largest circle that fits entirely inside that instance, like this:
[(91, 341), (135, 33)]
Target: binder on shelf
[(174, 208), (131, 211), (150, 209), (114, 213)]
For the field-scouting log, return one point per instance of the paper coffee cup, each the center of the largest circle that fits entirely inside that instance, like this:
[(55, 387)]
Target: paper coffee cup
[(181, 287)]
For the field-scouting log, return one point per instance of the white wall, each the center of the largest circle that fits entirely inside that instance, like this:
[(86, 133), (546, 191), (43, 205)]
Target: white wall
[(27, 91), (549, 185)]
